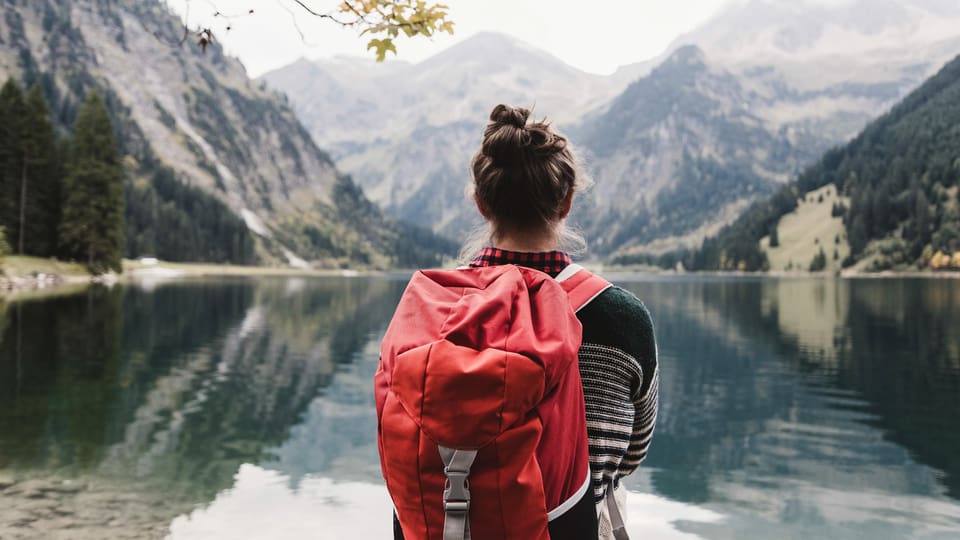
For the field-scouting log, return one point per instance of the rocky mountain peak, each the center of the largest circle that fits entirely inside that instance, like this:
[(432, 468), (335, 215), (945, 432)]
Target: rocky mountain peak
[(763, 30), (687, 55)]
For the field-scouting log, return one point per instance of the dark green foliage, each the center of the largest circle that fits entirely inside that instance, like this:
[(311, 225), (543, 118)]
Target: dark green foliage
[(705, 186), (11, 122), (43, 176), (30, 175), (892, 169), (819, 261), (896, 173), (407, 245), (774, 237), (168, 219), (4, 247), (352, 230), (161, 217), (92, 228), (739, 242), (663, 260)]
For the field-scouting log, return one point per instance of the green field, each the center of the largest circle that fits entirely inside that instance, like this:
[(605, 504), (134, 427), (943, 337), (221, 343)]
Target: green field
[(803, 232)]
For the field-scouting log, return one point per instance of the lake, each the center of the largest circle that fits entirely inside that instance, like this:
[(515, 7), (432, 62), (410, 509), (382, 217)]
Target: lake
[(242, 408)]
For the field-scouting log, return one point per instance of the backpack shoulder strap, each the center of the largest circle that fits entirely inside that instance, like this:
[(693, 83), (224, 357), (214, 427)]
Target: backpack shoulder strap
[(581, 285)]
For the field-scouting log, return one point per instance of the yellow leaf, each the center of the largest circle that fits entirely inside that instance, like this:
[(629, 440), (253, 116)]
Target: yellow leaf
[(382, 46)]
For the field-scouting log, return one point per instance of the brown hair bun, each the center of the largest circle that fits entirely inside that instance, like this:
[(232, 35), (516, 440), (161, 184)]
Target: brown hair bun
[(522, 172), (512, 116)]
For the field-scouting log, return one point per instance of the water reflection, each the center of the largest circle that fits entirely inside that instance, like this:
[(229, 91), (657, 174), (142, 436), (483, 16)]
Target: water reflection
[(166, 392), (776, 390), (214, 409)]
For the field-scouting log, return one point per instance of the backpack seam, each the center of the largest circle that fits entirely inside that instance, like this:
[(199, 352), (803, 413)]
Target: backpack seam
[(423, 382)]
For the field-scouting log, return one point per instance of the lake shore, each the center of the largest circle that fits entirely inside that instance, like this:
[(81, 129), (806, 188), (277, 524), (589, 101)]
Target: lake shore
[(20, 275)]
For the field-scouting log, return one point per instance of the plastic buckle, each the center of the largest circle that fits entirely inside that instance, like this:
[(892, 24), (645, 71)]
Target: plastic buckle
[(456, 495), (456, 506)]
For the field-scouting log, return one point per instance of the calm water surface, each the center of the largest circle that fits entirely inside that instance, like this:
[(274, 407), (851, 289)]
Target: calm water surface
[(223, 409)]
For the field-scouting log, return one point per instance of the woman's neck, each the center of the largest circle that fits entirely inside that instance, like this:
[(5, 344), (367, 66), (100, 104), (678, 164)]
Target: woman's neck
[(528, 242)]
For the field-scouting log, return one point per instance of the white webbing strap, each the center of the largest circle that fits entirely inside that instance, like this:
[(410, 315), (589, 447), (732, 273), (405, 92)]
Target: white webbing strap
[(456, 494), (616, 519)]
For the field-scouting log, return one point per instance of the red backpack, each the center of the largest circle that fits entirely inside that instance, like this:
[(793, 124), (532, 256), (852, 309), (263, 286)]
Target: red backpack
[(482, 430)]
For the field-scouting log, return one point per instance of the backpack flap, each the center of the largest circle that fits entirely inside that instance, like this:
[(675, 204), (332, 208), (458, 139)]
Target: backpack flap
[(464, 398), (445, 395)]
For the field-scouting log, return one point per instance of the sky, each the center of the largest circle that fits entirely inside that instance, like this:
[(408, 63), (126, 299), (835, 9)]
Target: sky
[(596, 36)]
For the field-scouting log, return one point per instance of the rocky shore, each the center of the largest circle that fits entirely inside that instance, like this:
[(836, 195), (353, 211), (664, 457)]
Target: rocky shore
[(62, 509)]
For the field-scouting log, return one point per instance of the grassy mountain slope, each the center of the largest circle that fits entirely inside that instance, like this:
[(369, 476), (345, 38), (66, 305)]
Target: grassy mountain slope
[(902, 175)]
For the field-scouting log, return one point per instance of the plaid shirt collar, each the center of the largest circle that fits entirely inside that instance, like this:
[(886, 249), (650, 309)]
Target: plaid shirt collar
[(550, 262)]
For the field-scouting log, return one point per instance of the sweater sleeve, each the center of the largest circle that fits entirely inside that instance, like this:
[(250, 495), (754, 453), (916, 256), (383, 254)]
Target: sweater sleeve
[(617, 319), (645, 404)]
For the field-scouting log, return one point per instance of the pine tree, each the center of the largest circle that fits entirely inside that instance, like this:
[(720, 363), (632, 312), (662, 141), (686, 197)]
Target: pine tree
[(92, 226), (4, 247), (11, 120), (819, 261), (40, 181)]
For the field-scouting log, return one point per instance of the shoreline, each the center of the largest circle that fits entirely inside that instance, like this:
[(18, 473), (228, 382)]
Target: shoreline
[(20, 276), (47, 275)]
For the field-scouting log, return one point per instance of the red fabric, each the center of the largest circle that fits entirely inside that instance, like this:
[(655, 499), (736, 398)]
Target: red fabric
[(583, 287), (514, 331)]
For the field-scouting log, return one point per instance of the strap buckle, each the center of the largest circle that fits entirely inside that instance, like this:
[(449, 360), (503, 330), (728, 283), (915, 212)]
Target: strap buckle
[(456, 494)]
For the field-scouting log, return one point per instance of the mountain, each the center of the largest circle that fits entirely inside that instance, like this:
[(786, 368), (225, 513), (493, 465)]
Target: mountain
[(197, 114), (825, 69), (678, 145), (810, 74), (679, 150), (901, 176), (407, 132), (768, 31)]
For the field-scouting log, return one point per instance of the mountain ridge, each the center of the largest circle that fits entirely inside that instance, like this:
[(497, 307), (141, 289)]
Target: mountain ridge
[(199, 115), (902, 178), (416, 166)]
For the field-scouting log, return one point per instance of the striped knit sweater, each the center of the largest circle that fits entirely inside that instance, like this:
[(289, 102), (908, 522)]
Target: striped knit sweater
[(618, 365)]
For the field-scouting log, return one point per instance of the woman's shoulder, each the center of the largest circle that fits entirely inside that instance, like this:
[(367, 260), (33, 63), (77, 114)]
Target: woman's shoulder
[(617, 318), (621, 304)]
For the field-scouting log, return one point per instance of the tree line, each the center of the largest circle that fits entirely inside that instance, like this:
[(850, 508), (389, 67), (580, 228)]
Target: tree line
[(65, 193), (62, 196), (902, 174)]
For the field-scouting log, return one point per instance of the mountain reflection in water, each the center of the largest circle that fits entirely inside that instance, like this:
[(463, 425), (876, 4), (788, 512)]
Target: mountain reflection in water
[(218, 408)]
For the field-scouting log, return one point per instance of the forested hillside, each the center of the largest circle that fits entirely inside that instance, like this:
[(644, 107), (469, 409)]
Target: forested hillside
[(902, 175), (216, 168)]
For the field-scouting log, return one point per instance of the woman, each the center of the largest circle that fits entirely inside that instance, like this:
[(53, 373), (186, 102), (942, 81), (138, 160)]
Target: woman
[(467, 424), (524, 180)]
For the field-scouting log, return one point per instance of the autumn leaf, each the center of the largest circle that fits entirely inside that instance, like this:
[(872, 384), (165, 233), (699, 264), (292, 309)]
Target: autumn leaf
[(382, 46)]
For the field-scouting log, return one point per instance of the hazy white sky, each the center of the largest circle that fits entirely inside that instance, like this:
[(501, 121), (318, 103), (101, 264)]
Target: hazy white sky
[(596, 36)]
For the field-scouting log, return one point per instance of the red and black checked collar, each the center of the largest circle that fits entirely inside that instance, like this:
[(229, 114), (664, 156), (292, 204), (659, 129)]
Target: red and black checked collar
[(550, 262)]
